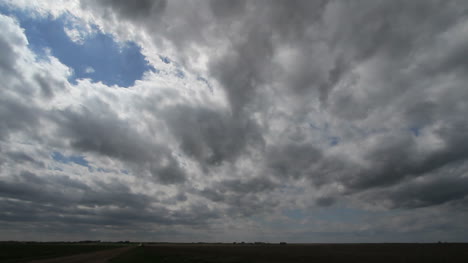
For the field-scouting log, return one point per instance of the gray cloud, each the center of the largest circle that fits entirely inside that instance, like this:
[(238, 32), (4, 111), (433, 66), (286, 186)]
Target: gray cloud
[(434, 192), (211, 136), (135, 10), (327, 104), (100, 130), (21, 157), (46, 86), (43, 198), (293, 160), (227, 9), (325, 201), (104, 133), (16, 117)]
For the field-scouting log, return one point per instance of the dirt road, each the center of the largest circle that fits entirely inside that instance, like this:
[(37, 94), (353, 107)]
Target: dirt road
[(94, 257)]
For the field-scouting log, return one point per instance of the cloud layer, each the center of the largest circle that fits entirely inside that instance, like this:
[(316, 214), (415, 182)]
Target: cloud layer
[(339, 121)]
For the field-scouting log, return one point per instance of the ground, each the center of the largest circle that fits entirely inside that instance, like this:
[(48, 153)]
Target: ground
[(12, 252), (253, 253), (297, 253)]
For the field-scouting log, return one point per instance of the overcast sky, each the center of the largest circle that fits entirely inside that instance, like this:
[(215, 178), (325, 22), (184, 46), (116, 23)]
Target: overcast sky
[(297, 121)]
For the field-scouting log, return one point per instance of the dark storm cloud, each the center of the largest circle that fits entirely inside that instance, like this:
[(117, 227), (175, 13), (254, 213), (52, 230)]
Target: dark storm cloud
[(254, 185), (431, 192), (248, 65), (47, 84), (100, 130), (244, 197), (227, 9), (15, 114), (397, 158), (293, 160), (135, 10), (244, 68), (325, 201), (43, 198), (391, 160), (10, 43), (170, 173), (16, 117), (127, 216), (21, 157), (240, 204), (249, 205), (30, 187), (238, 187), (211, 136), (401, 30), (7, 57)]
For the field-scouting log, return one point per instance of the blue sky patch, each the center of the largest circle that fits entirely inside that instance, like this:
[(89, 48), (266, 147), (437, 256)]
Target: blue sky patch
[(78, 159), (202, 79), (294, 213), (165, 59), (415, 131), (98, 58), (333, 140), (180, 74)]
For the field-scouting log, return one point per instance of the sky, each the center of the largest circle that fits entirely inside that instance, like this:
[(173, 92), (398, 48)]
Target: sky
[(222, 121)]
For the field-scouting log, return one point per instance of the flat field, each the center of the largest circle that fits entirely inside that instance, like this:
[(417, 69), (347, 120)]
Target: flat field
[(230, 253), (296, 253), (23, 252)]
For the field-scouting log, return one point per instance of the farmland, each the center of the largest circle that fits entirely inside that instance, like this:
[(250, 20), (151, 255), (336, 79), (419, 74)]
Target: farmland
[(232, 253), (296, 253), (12, 252)]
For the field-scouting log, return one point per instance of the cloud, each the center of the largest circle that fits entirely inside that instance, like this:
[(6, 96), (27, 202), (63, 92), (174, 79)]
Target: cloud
[(215, 135), (89, 70), (286, 80), (141, 9)]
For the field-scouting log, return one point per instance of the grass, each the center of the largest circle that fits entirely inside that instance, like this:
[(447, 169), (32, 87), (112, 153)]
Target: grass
[(246, 253), (175, 253), (19, 252), (149, 255)]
